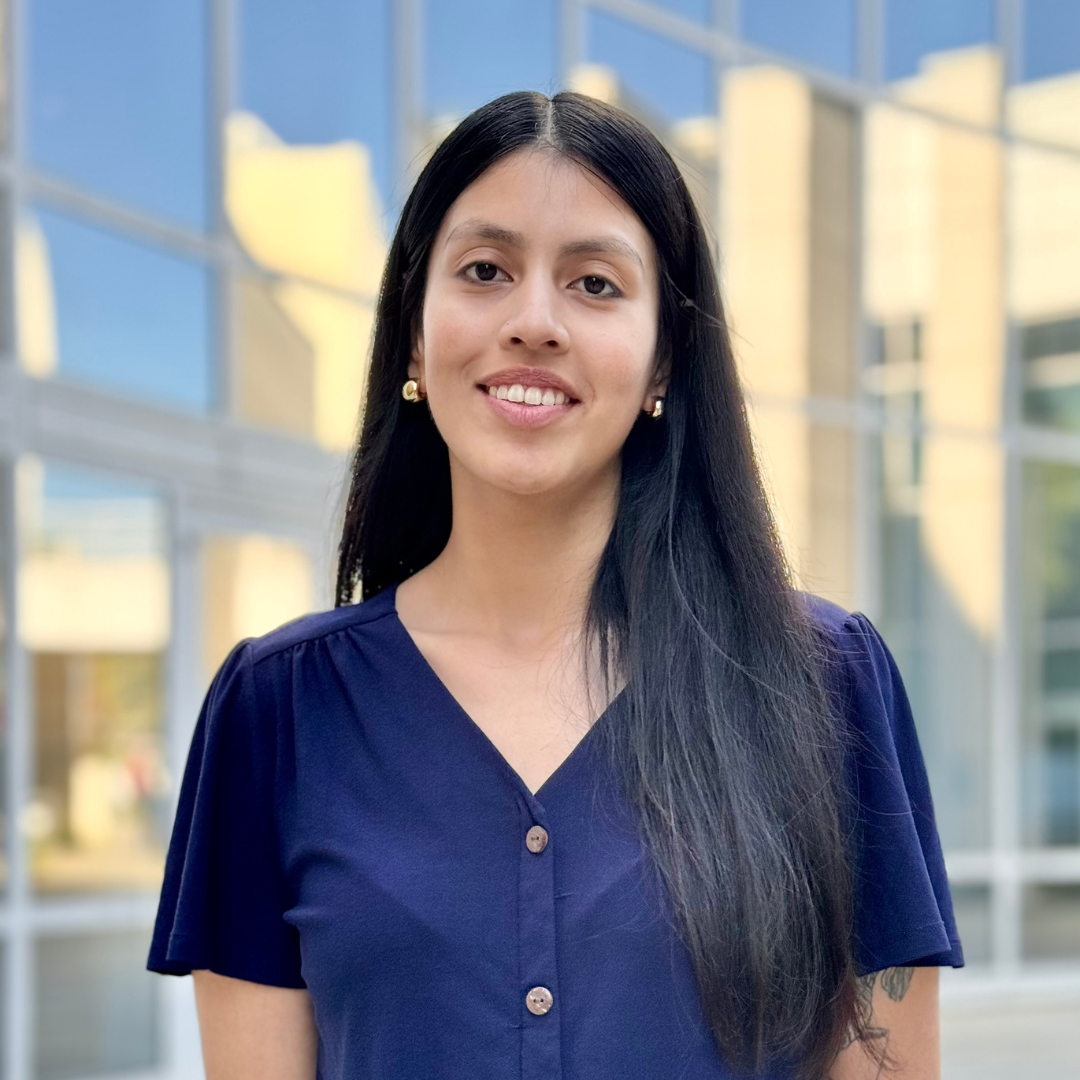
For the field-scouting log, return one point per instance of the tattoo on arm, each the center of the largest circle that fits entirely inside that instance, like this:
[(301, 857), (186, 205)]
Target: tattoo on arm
[(895, 982)]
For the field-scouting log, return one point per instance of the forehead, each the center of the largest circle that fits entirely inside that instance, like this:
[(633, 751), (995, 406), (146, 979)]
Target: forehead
[(548, 198)]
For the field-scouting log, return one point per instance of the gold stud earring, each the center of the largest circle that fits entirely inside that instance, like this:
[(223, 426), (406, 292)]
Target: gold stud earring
[(411, 391), (658, 407)]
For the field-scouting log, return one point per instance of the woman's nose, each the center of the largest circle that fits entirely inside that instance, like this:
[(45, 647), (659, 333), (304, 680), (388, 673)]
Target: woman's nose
[(534, 322)]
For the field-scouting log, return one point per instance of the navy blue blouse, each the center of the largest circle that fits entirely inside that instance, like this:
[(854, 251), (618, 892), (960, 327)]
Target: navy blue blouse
[(344, 826)]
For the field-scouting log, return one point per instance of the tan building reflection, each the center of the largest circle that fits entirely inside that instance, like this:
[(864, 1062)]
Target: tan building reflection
[(312, 212), (94, 615)]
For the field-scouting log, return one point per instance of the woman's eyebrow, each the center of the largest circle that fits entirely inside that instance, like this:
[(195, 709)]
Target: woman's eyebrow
[(595, 245), (602, 245)]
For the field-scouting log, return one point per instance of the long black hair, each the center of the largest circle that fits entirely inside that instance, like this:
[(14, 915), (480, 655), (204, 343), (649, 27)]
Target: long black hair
[(728, 745)]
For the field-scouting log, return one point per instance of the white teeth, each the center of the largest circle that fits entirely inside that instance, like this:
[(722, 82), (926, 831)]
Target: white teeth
[(528, 395)]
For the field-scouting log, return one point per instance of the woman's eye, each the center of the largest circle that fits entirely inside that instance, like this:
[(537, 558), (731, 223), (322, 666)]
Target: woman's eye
[(595, 285), (483, 271)]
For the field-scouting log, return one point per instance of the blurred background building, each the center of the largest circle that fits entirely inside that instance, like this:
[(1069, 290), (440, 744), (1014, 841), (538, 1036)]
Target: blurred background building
[(195, 201)]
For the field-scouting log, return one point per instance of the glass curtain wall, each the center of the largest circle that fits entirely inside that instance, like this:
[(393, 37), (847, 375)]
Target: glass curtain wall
[(195, 203)]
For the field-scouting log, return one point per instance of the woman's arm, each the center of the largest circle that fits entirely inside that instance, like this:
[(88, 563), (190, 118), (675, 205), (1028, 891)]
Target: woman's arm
[(901, 1007), (254, 1032)]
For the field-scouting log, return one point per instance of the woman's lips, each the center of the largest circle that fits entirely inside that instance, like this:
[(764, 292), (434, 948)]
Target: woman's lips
[(525, 416)]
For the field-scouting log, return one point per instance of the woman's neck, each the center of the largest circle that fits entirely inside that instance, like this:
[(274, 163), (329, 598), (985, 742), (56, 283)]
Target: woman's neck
[(516, 567)]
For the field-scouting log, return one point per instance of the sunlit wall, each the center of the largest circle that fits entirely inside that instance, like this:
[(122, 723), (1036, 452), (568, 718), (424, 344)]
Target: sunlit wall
[(195, 203)]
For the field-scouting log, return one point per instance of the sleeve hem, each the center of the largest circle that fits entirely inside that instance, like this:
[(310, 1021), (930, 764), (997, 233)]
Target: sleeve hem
[(928, 946), (185, 956)]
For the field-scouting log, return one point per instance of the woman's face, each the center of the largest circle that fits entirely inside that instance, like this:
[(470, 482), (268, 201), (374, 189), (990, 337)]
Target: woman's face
[(542, 285)]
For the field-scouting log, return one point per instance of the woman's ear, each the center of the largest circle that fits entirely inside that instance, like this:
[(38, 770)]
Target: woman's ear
[(416, 360), (657, 388)]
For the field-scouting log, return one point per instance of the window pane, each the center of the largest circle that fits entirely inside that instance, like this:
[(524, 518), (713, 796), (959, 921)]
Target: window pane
[(941, 55), (118, 100), (941, 566), (251, 584), (788, 235), (1052, 922), (97, 309), (1051, 654), (96, 1007), (820, 33), (1044, 281), (933, 267), (971, 906), (314, 84), (475, 51), (666, 81), (94, 617), (810, 474), (302, 359), (672, 90)]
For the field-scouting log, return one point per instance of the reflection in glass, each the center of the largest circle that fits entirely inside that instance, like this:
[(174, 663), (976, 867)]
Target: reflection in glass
[(658, 79), (475, 51), (941, 565), (95, 1005), (971, 906), (1051, 735), (810, 475), (789, 234), (933, 269), (118, 100), (317, 74), (941, 55), (100, 310), (301, 359), (1051, 928), (1050, 39), (821, 34), (310, 211), (94, 617), (251, 584), (1044, 280)]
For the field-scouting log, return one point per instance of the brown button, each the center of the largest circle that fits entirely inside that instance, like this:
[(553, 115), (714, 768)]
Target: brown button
[(536, 838), (538, 1000)]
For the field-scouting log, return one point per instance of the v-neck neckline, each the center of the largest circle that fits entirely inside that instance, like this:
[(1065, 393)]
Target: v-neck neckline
[(459, 710)]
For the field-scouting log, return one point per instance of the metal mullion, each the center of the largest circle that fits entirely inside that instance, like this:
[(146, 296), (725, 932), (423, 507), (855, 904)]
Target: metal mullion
[(18, 959), (20, 974), (180, 710), (220, 56), (1006, 796), (573, 37), (867, 577), (870, 34), (407, 91)]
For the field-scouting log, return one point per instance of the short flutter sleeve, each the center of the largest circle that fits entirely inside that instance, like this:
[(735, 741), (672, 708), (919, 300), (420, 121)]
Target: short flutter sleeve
[(903, 908), (224, 892)]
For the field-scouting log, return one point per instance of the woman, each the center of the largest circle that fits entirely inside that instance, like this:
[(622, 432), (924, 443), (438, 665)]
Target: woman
[(583, 787)]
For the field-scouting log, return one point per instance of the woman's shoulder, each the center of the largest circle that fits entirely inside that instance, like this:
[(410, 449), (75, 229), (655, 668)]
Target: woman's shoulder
[(321, 626), (859, 665)]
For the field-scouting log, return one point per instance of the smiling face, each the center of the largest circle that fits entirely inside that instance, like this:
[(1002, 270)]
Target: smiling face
[(538, 342)]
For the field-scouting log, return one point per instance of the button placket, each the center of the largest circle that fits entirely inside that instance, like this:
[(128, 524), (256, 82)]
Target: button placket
[(541, 1036)]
